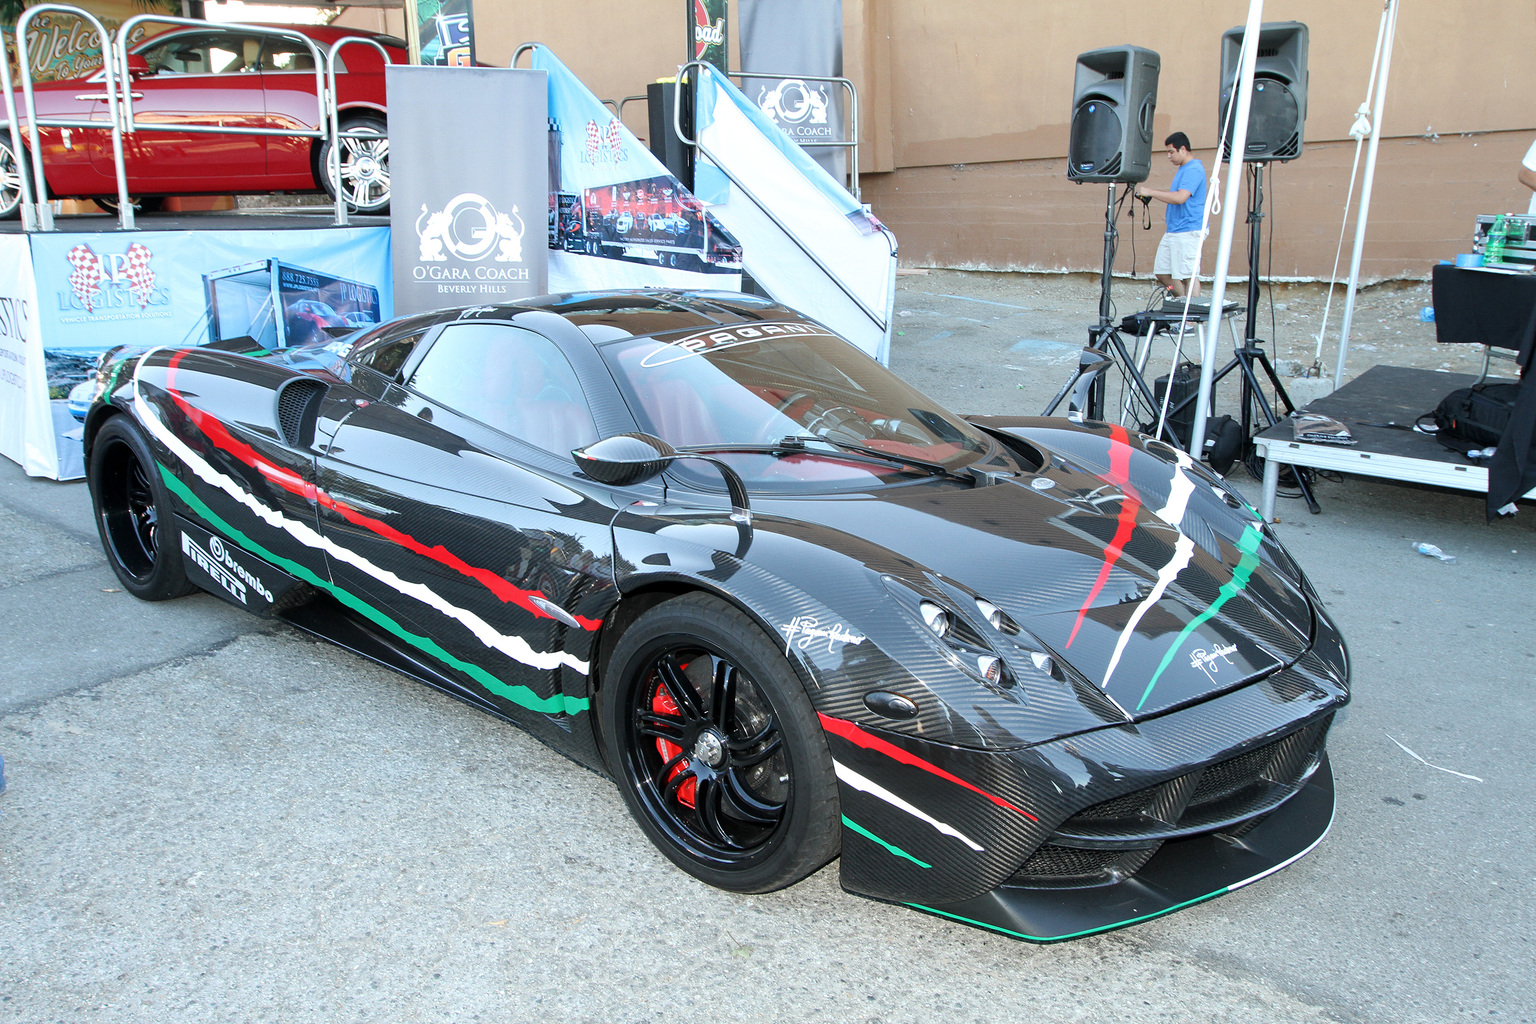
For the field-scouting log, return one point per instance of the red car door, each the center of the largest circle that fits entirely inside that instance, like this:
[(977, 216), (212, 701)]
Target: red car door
[(194, 77)]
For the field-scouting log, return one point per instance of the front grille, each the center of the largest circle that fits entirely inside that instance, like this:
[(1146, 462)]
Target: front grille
[(1062, 867), (1113, 839)]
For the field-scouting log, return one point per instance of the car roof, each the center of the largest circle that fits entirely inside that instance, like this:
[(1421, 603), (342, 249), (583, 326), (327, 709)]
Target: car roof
[(624, 315)]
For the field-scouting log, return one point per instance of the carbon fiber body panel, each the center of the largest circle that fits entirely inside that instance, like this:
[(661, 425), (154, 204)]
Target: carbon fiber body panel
[(1130, 661)]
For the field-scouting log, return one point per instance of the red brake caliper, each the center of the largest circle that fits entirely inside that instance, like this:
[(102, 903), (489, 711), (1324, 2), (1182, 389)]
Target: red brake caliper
[(663, 704)]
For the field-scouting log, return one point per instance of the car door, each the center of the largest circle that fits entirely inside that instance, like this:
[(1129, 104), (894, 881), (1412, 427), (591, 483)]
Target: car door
[(451, 514), (291, 102), (200, 78)]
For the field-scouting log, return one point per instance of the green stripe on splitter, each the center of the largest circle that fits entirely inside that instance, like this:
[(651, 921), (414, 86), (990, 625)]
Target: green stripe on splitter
[(1248, 544), (520, 695), (867, 834), (1073, 935)]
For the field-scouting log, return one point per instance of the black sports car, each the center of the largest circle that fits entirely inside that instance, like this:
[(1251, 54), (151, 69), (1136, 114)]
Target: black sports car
[(1043, 677)]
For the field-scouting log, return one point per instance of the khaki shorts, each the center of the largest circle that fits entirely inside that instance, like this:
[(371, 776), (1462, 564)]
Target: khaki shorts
[(1178, 255)]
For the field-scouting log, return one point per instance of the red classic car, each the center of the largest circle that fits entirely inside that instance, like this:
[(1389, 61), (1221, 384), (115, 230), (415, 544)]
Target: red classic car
[(226, 77)]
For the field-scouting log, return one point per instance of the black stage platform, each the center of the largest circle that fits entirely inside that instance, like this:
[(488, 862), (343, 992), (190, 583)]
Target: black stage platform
[(1382, 394)]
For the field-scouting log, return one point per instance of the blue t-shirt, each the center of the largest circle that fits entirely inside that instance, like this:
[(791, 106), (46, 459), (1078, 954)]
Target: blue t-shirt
[(1186, 216)]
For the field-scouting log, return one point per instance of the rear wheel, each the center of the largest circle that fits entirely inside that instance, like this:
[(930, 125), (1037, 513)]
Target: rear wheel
[(143, 204), (133, 514), (717, 750), (364, 164)]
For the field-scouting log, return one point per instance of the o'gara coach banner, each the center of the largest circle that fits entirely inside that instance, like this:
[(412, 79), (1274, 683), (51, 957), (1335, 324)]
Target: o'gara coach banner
[(469, 170)]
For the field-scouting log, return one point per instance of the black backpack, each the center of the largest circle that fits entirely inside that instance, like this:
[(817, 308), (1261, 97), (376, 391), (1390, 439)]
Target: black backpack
[(1476, 416)]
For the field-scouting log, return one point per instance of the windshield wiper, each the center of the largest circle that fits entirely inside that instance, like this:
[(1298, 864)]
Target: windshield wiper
[(796, 444)]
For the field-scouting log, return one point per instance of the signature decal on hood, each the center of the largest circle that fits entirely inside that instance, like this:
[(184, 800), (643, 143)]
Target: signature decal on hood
[(804, 630), (1207, 661)]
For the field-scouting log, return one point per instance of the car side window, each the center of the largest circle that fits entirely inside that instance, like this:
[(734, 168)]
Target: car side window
[(199, 54), (386, 355), (279, 54), (510, 379)]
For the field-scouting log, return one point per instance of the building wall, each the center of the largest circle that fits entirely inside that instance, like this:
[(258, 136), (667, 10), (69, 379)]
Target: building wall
[(965, 112)]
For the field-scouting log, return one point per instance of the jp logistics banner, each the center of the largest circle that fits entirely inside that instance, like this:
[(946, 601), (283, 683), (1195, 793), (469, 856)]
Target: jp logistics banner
[(72, 296), (618, 218), (469, 170)]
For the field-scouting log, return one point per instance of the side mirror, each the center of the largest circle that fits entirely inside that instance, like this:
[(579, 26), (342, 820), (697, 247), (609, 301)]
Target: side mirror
[(138, 67), (626, 459)]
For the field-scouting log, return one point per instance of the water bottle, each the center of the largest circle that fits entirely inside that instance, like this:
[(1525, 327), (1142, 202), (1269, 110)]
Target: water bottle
[(1493, 248), (1432, 551)]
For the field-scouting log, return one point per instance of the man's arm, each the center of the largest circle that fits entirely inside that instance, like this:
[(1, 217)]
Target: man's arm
[(1528, 177), (1182, 195)]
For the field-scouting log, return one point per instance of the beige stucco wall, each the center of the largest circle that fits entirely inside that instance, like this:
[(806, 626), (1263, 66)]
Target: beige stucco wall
[(966, 107)]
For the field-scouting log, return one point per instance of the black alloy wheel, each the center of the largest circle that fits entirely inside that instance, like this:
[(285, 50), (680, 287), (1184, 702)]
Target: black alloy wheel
[(133, 514), (717, 749)]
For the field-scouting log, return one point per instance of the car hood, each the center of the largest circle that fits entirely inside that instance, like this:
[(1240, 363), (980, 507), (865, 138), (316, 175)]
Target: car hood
[(1132, 568)]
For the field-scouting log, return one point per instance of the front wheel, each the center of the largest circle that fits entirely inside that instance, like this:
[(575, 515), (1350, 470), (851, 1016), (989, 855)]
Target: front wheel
[(133, 514), (716, 748), (12, 168), (364, 164)]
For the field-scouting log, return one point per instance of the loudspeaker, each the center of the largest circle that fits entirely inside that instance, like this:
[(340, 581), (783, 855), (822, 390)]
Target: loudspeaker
[(1113, 97), (1279, 106)]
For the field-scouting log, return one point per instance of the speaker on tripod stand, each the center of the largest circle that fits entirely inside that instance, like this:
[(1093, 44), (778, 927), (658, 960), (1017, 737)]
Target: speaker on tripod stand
[(1277, 112), (1114, 95), (1279, 105)]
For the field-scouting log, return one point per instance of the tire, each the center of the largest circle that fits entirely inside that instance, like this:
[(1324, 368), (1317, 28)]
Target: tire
[(11, 170), (142, 204), (364, 165), (133, 514), (739, 793)]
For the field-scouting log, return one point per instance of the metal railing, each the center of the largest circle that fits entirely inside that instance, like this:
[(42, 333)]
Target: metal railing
[(807, 250), (851, 143), (333, 157), (119, 96), (18, 153), (111, 71)]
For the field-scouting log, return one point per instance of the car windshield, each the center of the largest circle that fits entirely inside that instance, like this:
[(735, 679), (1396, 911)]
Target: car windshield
[(761, 383)]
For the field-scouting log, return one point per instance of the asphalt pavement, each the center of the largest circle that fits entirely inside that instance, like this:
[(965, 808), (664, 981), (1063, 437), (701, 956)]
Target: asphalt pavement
[(212, 817)]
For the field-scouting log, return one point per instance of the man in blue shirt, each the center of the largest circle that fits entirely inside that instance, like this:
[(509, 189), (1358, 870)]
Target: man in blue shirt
[(1177, 264)]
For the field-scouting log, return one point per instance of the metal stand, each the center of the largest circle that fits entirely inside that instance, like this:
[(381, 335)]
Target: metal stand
[(1105, 346), (1245, 358)]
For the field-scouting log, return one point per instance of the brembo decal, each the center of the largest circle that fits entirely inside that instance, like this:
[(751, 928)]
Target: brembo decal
[(514, 647), (1179, 489), (859, 782), (1248, 544), (894, 850), (295, 484), (1120, 476), (869, 741)]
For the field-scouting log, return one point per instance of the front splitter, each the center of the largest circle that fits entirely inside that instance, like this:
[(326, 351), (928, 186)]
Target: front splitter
[(1184, 872)]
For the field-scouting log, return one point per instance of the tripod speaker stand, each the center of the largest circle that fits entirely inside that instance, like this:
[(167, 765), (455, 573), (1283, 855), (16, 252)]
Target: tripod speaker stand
[(1105, 344), (1249, 358)]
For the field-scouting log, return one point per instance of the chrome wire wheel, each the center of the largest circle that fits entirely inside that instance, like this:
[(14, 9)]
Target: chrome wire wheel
[(364, 170)]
